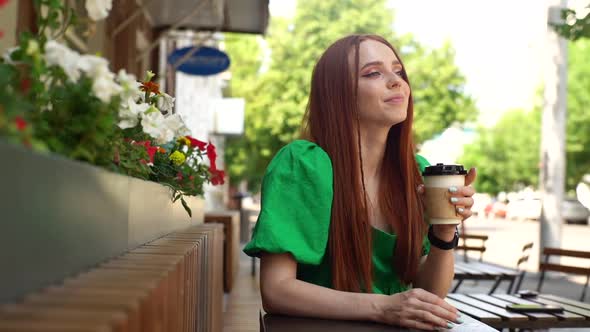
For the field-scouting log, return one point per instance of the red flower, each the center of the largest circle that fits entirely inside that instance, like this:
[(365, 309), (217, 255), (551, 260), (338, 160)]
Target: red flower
[(199, 144), (179, 176), (217, 177), (150, 86), (3, 3), (21, 124), (151, 150), (25, 85), (212, 155), (1, 32)]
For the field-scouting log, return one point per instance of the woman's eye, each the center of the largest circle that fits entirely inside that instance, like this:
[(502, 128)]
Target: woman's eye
[(372, 74), (399, 73)]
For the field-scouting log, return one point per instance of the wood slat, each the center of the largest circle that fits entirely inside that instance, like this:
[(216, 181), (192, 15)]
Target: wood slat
[(566, 301), (491, 269), (472, 273), (503, 313), (515, 299), (567, 307), (474, 237), (483, 316), (503, 302), (172, 284), (566, 252), (471, 248), (564, 268)]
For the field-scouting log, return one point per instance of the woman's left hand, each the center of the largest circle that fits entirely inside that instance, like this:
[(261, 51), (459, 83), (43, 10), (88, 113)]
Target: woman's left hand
[(462, 197)]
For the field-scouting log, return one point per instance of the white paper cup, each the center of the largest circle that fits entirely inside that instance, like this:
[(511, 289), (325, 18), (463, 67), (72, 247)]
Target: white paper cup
[(437, 181)]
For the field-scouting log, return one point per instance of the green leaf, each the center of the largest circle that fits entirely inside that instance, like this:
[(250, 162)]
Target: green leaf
[(186, 208), (176, 197)]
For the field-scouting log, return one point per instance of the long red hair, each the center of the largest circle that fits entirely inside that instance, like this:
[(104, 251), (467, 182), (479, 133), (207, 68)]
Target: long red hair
[(331, 121)]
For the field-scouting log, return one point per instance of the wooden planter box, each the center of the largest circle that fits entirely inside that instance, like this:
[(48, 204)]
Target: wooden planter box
[(59, 217)]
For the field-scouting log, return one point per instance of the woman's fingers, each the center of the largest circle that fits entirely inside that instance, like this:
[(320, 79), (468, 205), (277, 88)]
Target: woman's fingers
[(462, 201), (429, 318), (470, 177), (441, 312), (420, 189), (428, 297), (461, 191)]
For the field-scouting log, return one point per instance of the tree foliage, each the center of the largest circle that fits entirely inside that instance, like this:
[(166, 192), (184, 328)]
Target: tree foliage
[(578, 116), (574, 28), (277, 96), (508, 153)]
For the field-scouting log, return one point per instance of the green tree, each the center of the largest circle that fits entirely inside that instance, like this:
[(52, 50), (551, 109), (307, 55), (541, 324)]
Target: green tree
[(278, 96), (506, 155), (575, 28), (578, 117)]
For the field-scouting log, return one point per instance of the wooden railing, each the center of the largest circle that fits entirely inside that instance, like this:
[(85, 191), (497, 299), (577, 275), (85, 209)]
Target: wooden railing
[(171, 284)]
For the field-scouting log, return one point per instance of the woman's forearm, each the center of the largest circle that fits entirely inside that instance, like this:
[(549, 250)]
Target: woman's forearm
[(437, 272), (299, 298)]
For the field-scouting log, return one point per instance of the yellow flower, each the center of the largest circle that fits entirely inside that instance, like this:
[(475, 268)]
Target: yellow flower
[(177, 158), (184, 140)]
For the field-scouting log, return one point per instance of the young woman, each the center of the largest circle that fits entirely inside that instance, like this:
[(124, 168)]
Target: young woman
[(342, 232)]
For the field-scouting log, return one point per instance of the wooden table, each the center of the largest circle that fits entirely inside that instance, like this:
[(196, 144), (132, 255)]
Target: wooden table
[(489, 309), (475, 270), (273, 323)]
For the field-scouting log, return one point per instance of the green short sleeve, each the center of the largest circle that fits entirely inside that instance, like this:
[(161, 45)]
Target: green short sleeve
[(296, 204), (422, 163)]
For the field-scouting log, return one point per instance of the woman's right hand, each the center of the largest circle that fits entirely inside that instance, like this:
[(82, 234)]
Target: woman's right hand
[(418, 309)]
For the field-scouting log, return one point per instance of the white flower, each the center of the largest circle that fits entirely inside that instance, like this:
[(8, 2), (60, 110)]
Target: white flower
[(129, 113), (165, 102), (153, 124), (129, 84), (93, 65), (60, 55), (104, 86), (7, 56), (175, 123), (98, 9)]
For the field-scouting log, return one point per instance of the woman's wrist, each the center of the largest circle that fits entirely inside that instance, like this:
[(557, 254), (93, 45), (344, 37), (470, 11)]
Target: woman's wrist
[(378, 304), (444, 232)]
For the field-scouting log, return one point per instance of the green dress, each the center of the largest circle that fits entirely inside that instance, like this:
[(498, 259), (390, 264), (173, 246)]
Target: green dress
[(295, 218)]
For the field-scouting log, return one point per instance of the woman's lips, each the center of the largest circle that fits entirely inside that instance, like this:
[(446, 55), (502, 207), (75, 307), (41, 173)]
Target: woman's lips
[(395, 100)]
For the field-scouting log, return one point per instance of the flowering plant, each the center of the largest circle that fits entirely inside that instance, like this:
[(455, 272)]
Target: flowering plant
[(54, 99)]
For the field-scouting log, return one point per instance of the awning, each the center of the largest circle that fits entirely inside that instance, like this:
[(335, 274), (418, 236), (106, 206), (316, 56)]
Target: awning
[(247, 16)]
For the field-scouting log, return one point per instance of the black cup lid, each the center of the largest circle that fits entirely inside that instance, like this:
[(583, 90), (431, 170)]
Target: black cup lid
[(442, 169)]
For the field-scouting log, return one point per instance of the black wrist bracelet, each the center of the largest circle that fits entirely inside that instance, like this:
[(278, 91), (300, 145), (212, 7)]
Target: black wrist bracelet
[(440, 244)]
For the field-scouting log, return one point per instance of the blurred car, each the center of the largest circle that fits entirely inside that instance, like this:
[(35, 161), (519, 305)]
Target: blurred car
[(524, 209), (572, 211), (480, 201), (495, 209)]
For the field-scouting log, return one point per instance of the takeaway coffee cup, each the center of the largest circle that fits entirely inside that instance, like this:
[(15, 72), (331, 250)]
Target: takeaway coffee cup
[(437, 181)]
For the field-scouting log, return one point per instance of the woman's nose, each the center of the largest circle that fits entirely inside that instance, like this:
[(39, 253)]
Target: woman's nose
[(393, 80)]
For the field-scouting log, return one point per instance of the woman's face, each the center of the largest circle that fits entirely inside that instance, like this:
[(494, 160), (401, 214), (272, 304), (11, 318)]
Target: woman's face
[(382, 93)]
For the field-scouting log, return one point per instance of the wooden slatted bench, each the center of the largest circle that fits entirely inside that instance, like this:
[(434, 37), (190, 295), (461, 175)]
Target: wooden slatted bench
[(483, 271), (171, 284), (466, 245), (547, 265)]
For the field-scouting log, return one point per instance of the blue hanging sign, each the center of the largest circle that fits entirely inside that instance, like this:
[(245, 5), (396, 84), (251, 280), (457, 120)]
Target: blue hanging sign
[(206, 61)]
